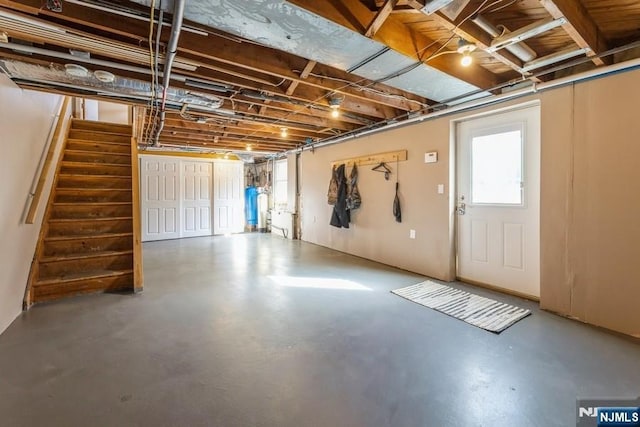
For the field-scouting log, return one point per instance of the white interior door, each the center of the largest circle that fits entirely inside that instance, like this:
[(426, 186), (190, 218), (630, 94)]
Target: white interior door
[(498, 200), (160, 198), (196, 192), (228, 202)]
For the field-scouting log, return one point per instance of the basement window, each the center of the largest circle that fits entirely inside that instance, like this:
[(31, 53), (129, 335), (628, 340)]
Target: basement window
[(280, 196)]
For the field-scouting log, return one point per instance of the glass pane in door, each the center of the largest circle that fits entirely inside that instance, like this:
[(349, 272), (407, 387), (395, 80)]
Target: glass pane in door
[(496, 169)]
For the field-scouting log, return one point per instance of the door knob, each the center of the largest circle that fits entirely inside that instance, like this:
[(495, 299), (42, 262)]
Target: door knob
[(461, 209)]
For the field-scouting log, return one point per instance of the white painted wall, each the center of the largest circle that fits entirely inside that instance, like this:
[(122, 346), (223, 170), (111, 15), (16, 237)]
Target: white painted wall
[(91, 109), (113, 112), (589, 200), (25, 122)]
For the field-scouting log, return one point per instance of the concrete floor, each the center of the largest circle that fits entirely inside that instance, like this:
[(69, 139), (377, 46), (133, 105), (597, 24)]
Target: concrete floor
[(217, 340)]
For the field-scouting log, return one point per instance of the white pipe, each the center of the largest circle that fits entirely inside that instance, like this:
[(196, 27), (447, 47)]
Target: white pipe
[(595, 73), (521, 50)]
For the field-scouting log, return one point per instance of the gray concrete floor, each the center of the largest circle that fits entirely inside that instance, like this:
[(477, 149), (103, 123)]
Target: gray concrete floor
[(217, 340)]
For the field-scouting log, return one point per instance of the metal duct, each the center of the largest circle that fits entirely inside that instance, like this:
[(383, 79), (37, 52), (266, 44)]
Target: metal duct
[(121, 86), (18, 26), (521, 50), (172, 50)]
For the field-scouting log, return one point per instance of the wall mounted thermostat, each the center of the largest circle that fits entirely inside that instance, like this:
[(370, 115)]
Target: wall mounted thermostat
[(431, 157)]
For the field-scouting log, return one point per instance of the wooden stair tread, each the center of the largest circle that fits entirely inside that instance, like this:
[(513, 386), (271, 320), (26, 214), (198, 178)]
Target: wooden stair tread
[(82, 275), (97, 218), (70, 189), (92, 203), (85, 255), (87, 236), (100, 122), (107, 130), (93, 164), (93, 141), (84, 175), (76, 151)]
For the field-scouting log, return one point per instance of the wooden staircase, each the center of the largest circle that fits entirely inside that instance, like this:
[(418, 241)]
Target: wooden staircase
[(87, 237)]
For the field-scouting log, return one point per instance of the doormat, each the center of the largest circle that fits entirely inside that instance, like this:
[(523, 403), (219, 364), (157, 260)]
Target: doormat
[(479, 311)]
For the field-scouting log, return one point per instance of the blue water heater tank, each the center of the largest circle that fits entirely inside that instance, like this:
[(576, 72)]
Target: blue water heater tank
[(251, 205)]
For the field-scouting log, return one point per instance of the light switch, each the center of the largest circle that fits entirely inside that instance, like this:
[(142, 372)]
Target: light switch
[(412, 234), (440, 188)]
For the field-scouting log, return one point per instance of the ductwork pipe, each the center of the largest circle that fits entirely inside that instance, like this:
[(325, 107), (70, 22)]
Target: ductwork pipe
[(172, 50), (521, 50)]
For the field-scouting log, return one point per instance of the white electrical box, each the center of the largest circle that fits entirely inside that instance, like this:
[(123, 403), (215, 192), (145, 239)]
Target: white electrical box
[(431, 157), (412, 234)]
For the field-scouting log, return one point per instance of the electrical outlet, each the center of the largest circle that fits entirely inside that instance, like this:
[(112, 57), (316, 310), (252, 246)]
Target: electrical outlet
[(440, 188), (412, 234)]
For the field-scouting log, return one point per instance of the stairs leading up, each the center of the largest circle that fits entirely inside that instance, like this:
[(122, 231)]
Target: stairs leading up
[(86, 243)]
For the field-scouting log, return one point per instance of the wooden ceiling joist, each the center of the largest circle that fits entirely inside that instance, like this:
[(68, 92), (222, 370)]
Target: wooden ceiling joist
[(580, 26), (380, 17)]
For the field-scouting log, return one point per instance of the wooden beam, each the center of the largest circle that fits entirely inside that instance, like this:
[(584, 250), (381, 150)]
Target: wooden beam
[(372, 159), (580, 26), (263, 109), (175, 122), (355, 15), (138, 273), (303, 75), (380, 17)]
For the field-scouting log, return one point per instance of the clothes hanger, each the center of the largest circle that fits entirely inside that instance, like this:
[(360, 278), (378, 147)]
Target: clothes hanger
[(382, 167)]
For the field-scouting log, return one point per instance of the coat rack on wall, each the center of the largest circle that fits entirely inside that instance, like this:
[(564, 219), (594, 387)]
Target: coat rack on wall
[(374, 159)]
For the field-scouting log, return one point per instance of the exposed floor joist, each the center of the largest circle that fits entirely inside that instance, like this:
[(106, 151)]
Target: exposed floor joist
[(580, 26)]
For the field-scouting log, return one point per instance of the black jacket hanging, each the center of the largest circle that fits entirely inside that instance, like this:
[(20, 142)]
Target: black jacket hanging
[(341, 215), (397, 212)]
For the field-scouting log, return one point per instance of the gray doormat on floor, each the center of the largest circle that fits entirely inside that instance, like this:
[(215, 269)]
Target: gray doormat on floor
[(479, 311)]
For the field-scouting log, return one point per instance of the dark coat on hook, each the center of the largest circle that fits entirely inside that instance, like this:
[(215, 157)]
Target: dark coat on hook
[(341, 216)]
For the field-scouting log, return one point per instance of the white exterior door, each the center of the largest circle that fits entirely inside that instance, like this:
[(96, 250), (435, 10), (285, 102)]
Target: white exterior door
[(196, 198), (498, 201), (228, 203), (160, 202)]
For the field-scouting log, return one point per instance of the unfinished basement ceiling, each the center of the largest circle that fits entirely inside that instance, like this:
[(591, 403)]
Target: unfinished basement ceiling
[(266, 75), (281, 25)]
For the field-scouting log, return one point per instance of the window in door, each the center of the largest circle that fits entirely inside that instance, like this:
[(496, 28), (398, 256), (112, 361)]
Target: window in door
[(497, 167)]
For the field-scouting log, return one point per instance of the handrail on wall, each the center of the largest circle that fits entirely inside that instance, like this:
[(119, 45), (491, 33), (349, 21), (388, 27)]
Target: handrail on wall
[(36, 194)]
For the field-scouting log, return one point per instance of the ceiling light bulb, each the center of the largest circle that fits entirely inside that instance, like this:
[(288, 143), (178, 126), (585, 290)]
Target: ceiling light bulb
[(334, 104), (465, 48), (466, 60), (284, 132)]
